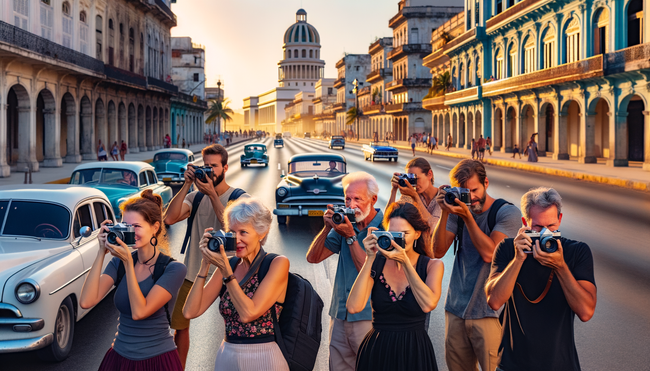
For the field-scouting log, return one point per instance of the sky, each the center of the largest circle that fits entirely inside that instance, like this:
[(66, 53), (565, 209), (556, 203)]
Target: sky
[(243, 38)]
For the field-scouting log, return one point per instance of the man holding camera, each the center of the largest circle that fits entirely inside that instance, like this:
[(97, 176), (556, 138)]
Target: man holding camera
[(344, 237), (554, 279), (480, 223), (204, 208)]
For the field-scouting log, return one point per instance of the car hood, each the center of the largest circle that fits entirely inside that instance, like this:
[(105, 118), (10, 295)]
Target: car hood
[(381, 148), (255, 154), (169, 166), (310, 183), (19, 253)]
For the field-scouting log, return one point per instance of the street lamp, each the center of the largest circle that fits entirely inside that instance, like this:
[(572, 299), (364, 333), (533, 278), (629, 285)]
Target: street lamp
[(356, 83), (219, 100)]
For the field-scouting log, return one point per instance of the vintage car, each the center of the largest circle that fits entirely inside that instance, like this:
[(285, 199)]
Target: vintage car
[(337, 141), (170, 164), (307, 135), (278, 141), (254, 154), (377, 150), (286, 134), (48, 243), (313, 182), (121, 180)]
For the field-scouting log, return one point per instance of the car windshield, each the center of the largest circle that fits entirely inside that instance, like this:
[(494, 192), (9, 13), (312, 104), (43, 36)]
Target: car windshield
[(320, 168), (254, 149), (170, 156), (383, 143), (279, 136), (34, 219), (104, 177), (337, 138)]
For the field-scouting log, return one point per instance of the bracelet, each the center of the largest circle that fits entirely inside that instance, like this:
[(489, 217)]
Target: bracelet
[(228, 279), (200, 276)]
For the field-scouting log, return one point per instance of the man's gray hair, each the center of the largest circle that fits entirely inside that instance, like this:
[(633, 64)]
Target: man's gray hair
[(248, 210), (362, 177), (543, 197)]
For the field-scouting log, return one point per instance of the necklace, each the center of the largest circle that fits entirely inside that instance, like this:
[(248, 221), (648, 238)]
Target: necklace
[(148, 260)]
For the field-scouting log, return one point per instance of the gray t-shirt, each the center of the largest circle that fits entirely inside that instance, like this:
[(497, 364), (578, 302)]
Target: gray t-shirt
[(149, 337), (466, 295)]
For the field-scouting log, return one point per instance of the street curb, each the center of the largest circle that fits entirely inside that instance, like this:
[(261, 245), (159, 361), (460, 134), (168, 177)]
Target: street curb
[(623, 183)]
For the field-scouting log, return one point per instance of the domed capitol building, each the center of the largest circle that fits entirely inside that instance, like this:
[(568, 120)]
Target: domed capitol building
[(298, 72)]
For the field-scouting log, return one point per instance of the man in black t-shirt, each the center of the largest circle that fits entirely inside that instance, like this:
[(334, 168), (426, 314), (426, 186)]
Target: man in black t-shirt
[(542, 291)]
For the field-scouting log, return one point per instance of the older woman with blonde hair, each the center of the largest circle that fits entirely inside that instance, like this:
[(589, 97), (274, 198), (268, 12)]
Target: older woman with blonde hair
[(246, 302)]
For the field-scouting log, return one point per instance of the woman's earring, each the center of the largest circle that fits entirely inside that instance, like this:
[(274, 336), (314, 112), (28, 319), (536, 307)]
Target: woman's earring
[(415, 244), (153, 241)]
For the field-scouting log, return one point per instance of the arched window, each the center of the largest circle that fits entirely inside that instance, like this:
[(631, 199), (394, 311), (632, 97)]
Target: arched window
[(635, 22), (131, 49), (549, 48), (512, 61), (295, 53), (311, 54), (83, 33), (498, 66), (572, 41), (47, 19), (529, 55), (304, 53), (98, 37), (21, 14), (110, 24), (601, 31), (67, 27)]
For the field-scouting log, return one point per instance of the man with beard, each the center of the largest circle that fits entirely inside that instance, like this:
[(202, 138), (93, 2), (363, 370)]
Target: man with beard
[(204, 208), (472, 331), (348, 330)]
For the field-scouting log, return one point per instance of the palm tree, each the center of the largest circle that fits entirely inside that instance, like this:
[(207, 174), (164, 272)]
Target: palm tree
[(352, 115), (219, 110), (441, 83)]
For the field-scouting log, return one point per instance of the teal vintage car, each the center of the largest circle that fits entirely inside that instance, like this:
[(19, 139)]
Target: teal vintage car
[(254, 154), (121, 180), (171, 163)]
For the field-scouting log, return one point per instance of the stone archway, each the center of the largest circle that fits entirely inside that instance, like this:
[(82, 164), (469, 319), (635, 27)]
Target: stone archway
[(132, 139), (154, 129), (148, 130), (70, 127), (595, 138), (86, 130), (636, 130), (510, 130), (454, 132), (527, 126), (478, 121), (100, 127), (48, 151), (122, 124), (497, 132), (546, 128), (461, 130), (112, 127), (470, 134), (20, 130), (141, 129), (443, 137), (161, 127)]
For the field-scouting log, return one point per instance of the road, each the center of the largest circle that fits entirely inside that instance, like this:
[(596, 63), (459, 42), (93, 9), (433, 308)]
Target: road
[(613, 221)]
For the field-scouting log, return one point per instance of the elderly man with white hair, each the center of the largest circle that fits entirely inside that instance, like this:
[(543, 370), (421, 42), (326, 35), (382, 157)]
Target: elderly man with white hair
[(348, 330)]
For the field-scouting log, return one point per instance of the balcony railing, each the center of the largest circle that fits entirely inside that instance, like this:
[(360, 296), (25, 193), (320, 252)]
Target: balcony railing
[(338, 106), (165, 9), (377, 74), (125, 76), (372, 109), (409, 49), (435, 103), (521, 7), (163, 85), (629, 59), (339, 82), (403, 107), (581, 70), (464, 95), (408, 83), (27, 40)]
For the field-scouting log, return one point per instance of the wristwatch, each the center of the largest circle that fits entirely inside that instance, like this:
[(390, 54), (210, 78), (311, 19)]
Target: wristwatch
[(228, 279), (350, 240)]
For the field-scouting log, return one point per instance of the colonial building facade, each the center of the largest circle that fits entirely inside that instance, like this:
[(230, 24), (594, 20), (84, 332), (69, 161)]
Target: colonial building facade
[(78, 71), (300, 114), (349, 68), (556, 68), (188, 106), (324, 99), (374, 97)]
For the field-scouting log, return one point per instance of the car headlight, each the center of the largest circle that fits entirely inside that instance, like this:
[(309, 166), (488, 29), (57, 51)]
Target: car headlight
[(27, 292), (282, 191)]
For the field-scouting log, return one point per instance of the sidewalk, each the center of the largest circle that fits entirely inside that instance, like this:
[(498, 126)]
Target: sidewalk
[(61, 175), (632, 177)]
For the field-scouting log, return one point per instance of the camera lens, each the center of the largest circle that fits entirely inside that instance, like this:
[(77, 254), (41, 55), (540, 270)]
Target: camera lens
[(337, 218), (548, 244), (385, 243), (113, 236), (450, 198), (214, 244)]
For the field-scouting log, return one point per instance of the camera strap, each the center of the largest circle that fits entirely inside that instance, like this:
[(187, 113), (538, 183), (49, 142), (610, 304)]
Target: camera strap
[(492, 222), (255, 266), (548, 287)]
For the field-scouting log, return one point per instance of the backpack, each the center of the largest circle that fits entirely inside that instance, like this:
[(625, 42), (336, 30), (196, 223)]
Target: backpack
[(158, 270), (236, 193), (492, 221)]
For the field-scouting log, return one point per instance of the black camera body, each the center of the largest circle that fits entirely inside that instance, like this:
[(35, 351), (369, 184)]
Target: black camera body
[(547, 240), (228, 240), (384, 239), (123, 231), (407, 179), (453, 193), (202, 173), (340, 212)]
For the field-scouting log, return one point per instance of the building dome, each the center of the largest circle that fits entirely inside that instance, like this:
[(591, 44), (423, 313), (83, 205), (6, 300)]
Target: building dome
[(301, 32)]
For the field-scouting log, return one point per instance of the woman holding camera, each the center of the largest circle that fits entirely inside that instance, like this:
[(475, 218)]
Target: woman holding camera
[(404, 285), (422, 195), (246, 303), (143, 340)]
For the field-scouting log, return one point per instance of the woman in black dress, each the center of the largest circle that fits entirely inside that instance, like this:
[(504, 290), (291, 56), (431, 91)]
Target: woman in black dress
[(405, 285)]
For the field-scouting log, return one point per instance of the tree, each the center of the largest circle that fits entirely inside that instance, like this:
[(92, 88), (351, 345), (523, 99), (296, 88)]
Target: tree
[(219, 110), (352, 115), (441, 83)]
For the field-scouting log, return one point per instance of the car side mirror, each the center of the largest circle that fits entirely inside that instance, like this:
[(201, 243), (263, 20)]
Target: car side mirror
[(84, 232)]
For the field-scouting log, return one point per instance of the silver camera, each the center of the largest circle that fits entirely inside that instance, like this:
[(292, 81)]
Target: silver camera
[(453, 193), (547, 240), (123, 231), (340, 212), (384, 239), (227, 239)]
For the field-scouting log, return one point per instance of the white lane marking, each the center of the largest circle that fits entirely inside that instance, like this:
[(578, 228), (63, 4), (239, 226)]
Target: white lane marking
[(279, 166), (442, 167)]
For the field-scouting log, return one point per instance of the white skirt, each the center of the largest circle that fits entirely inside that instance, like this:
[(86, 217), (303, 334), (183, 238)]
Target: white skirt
[(250, 357)]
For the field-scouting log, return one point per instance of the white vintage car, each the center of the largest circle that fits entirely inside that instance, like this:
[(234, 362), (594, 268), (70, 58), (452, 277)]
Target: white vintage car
[(45, 253)]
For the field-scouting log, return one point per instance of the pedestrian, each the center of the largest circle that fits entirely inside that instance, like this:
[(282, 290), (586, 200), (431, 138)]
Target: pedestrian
[(413, 141), (450, 141), (481, 148), (515, 151), (552, 287), (123, 149), (144, 293), (472, 331), (102, 155), (347, 330), (474, 150), (488, 145), (532, 149), (114, 151), (398, 339), (245, 301), (168, 141), (422, 196), (436, 142), (183, 145), (207, 202)]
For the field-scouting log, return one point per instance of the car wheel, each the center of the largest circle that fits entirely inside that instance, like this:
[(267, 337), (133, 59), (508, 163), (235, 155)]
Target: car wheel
[(282, 219), (342, 147), (63, 334)]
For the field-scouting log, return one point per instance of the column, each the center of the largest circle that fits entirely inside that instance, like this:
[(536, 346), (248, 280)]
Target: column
[(587, 151), (27, 139), (72, 142), (541, 138), (88, 142), (5, 171), (619, 141), (561, 139), (52, 126)]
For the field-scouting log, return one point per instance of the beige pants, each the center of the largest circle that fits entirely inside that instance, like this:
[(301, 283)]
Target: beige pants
[(470, 341), (345, 339)]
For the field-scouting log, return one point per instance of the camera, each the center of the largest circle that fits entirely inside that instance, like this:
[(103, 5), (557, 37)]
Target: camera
[(453, 193), (340, 212), (384, 239), (202, 173), (547, 240), (228, 240), (123, 231), (406, 179)]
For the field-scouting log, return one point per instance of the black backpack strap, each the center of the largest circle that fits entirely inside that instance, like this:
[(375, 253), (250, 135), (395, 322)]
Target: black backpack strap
[(236, 193), (121, 270), (377, 266), (266, 265), (159, 269), (190, 221), (422, 266), (494, 209), (458, 239)]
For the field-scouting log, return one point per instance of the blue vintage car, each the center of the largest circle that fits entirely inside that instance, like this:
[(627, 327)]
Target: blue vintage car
[(121, 180), (377, 150), (278, 141), (171, 163), (254, 154), (313, 182), (337, 141)]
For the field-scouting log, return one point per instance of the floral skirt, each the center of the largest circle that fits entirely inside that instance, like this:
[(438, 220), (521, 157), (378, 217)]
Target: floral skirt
[(165, 362)]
